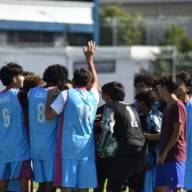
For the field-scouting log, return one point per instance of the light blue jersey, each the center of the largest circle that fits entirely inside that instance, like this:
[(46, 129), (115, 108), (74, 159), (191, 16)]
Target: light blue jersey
[(188, 165), (13, 138), (43, 133), (77, 132), (153, 121), (76, 149)]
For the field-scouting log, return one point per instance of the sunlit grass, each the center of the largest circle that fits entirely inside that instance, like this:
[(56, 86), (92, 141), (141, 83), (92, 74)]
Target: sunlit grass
[(35, 186)]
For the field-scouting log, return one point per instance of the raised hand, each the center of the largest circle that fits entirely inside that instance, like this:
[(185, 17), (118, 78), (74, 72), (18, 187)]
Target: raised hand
[(90, 50)]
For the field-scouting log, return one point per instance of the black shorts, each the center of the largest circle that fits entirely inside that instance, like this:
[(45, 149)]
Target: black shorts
[(126, 169)]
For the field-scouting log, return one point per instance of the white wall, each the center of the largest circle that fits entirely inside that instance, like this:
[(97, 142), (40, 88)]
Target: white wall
[(126, 62)]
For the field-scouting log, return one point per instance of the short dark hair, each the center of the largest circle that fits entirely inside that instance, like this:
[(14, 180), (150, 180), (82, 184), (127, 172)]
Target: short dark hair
[(55, 73), (147, 98), (145, 78), (169, 82), (82, 77), (9, 71), (26, 73), (31, 81), (185, 77), (115, 90)]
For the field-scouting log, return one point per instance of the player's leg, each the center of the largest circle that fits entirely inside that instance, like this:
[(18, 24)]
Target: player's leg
[(26, 175), (3, 185), (102, 165), (48, 169), (41, 187), (83, 190), (5, 171), (63, 189), (138, 181), (39, 174), (43, 174), (117, 174), (25, 185), (49, 187)]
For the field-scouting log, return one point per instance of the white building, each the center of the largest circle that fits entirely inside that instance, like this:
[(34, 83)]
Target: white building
[(155, 8), (112, 63), (48, 23)]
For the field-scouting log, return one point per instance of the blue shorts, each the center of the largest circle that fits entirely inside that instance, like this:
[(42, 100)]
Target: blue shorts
[(149, 182), (43, 170), (170, 174), (10, 170), (78, 174)]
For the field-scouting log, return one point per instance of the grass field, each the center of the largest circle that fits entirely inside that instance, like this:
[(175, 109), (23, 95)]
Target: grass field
[(35, 186)]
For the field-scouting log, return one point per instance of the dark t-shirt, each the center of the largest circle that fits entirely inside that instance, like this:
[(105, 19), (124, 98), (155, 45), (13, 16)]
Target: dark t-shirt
[(174, 114), (131, 140)]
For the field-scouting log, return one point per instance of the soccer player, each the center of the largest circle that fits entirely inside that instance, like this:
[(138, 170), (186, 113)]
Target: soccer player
[(146, 101), (172, 146), (14, 148), (75, 150), (143, 82), (30, 80), (121, 121), (43, 133), (102, 163), (183, 92)]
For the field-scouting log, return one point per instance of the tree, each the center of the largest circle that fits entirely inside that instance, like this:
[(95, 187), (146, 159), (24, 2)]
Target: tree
[(120, 28), (163, 63), (176, 37)]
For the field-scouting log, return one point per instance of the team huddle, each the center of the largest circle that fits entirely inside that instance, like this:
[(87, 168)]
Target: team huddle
[(52, 132)]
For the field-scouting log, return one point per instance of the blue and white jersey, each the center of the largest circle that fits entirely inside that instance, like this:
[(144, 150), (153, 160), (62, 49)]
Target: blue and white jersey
[(79, 107), (13, 137), (43, 133), (154, 121)]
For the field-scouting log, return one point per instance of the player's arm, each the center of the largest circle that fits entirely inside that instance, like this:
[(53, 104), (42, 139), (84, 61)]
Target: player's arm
[(107, 126), (49, 112), (152, 137), (174, 137), (155, 126), (89, 51)]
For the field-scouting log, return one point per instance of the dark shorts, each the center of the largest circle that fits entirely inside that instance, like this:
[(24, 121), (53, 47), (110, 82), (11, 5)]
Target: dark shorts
[(126, 169), (170, 174)]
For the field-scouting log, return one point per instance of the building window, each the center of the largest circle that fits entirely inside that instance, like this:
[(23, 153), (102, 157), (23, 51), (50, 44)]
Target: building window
[(30, 37), (78, 38)]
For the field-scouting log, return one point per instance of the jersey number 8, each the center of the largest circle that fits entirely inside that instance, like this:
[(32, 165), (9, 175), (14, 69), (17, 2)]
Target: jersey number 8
[(41, 113)]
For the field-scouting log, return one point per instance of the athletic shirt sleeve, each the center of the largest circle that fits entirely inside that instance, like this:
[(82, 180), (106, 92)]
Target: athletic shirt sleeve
[(59, 103), (108, 123), (95, 94), (154, 120)]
